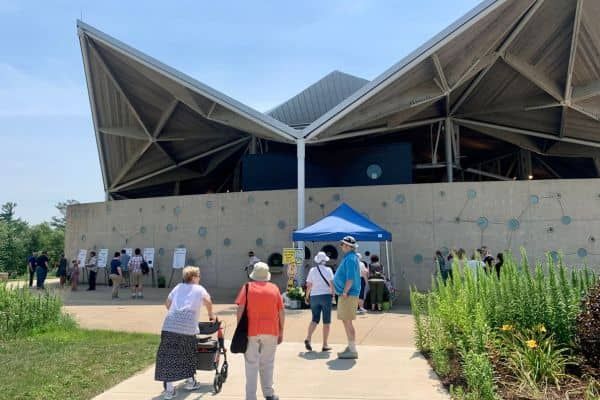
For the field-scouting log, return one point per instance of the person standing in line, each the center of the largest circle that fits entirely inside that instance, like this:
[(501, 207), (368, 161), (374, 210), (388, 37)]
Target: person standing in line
[(376, 283), (125, 268), (116, 274), (31, 267), (175, 358), (364, 286), (488, 259), (441, 268), (319, 293), (137, 278), (266, 321), (74, 275), (252, 259), (92, 267), (42, 269), (499, 263), (61, 272), (347, 286)]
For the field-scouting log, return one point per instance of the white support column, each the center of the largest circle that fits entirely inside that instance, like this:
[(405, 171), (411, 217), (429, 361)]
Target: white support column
[(449, 158), (301, 153)]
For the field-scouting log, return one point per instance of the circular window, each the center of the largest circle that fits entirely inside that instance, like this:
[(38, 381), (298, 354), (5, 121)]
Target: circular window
[(374, 171), (275, 260), (331, 251)]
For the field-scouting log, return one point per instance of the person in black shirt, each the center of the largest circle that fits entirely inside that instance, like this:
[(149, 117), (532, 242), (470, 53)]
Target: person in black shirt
[(61, 272), (42, 270), (116, 274), (31, 265), (500, 258)]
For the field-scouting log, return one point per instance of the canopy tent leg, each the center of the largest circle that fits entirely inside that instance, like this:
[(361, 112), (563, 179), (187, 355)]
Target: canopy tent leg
[(300, 152), (387, 259)]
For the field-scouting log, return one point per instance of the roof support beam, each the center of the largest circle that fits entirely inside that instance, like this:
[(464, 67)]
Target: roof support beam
[(85, 49), (440, 72), (548, 167), (124, 132), (118, 87), (584, 111), (181, 163), (525, 132), (534, 75), (130, 163), (516, 106), (210, 111), (581, 93), (365, 132), (471, 87), (574, 41), (164, 118), (487, 174), (519, 27), (563, 122)]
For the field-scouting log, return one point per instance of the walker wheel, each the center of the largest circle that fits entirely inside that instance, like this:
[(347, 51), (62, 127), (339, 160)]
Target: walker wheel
[(218, 383), (224, 370)]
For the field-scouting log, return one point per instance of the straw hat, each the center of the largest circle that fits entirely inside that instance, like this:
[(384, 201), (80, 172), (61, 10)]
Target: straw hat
[(260, 272)]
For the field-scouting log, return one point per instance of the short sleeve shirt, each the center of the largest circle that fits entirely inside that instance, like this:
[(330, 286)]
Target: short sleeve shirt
[(42, 261), (348, 270), (319, 286), (186, 300), (115, 263), (135, 263), (264, 304)]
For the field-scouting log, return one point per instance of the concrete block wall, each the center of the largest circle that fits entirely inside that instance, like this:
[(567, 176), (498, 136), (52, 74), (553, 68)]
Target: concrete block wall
[(219, 229)]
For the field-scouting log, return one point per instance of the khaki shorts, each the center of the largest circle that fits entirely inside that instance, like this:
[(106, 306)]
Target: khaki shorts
[(346, 308), (137, 278)]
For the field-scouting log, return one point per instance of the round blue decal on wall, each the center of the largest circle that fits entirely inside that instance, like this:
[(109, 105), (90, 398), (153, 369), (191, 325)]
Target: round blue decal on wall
[(281, 224), (418, 259), (566, 220), (554, 256), (161, 252), (534, 199), (177, 210), (482, 223), (582, 252), (208, 252), (471, 194), (513, 224), (170, 228), (227, 242), (400, 199), (202, 231)]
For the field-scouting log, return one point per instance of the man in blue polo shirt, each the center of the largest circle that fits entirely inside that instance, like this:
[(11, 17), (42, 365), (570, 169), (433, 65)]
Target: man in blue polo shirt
[(347, 286)]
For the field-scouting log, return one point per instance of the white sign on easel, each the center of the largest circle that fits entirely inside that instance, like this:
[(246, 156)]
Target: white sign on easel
[(82, 257), (179, 258), (149, 256), (102, 258)]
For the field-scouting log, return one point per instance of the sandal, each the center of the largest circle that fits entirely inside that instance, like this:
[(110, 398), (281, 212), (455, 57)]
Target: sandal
[(307, 345)]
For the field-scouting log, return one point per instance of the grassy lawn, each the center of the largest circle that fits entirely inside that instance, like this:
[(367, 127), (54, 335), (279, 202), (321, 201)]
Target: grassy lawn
[(71, 363)]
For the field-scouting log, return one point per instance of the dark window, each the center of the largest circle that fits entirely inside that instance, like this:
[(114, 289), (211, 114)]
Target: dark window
[(331, 251), (275, 260)]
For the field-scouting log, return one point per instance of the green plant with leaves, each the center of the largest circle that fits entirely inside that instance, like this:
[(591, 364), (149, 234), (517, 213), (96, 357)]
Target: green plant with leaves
[(588, 327), (479, 374), (534, 357), (295, 293)]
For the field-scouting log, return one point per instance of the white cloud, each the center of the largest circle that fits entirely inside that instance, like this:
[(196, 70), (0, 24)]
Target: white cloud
[(26, 95)]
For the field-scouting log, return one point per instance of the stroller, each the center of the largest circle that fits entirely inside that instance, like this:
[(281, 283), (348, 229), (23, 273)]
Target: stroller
[(207, 356)]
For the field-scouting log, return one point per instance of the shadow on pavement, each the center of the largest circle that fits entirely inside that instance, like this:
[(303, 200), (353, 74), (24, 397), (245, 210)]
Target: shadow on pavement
[(313, 355), (341, 365)]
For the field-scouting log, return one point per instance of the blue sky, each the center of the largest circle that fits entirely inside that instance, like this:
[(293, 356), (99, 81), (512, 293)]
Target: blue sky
[(259, 52)]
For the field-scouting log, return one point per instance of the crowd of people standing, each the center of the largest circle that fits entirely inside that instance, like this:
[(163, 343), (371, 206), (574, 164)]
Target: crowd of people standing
[(479, 260)]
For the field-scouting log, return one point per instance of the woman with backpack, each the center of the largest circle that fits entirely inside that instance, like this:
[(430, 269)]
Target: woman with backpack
[(319, 293)]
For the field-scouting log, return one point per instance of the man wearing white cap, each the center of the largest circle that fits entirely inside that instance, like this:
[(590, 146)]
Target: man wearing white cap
[(266, 319), (347, 286)]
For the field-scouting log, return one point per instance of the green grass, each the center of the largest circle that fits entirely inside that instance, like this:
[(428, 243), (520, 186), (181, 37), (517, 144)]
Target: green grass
[(71, 363)]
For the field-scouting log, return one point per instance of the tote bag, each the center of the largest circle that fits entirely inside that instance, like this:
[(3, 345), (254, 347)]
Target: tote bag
[(239, 343)]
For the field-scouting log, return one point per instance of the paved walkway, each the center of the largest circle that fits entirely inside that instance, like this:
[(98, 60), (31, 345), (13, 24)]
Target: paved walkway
[(389, 366)]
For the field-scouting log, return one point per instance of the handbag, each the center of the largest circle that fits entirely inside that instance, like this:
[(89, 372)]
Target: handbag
[(144, 266), (239, 342)]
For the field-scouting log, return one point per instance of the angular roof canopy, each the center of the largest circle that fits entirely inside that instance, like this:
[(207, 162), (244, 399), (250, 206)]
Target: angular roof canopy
[(314, 101), (512, 69), (526, 72)]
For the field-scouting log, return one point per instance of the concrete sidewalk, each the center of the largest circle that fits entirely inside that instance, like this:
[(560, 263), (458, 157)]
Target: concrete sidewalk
[(381, 373)]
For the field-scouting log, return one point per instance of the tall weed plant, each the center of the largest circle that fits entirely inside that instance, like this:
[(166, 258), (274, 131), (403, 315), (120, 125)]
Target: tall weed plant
[(23, 312), (464, 312)]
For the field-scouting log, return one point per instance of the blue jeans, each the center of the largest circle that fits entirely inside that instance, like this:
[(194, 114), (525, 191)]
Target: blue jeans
[(41, 277), (321, 304)]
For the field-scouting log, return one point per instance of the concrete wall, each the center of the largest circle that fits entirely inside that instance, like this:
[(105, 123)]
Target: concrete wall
[(218, 230)]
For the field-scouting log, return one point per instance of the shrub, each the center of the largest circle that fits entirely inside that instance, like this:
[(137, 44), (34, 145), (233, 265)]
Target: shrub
[(161, 282), (534, 357), (23, 312), (588, 327), (479, 375)]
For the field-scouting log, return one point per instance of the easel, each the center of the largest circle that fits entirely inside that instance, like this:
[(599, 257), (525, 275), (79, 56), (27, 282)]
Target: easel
[(171, 278)]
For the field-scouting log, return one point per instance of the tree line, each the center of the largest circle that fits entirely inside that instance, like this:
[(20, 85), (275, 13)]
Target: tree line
[(19, 239)]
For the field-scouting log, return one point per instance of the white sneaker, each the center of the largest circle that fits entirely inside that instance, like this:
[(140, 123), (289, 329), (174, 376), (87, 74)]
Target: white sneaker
[(361, 311), (192, 384), (169, 395)]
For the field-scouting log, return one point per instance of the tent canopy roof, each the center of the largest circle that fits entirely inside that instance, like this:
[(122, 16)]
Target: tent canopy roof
[(343, 221)]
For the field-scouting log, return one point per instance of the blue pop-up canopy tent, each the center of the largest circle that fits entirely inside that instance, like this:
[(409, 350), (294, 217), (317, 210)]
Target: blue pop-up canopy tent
[(344, 221)]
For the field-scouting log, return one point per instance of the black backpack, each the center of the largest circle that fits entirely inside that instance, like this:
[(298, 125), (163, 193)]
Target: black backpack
[(144, 266)]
